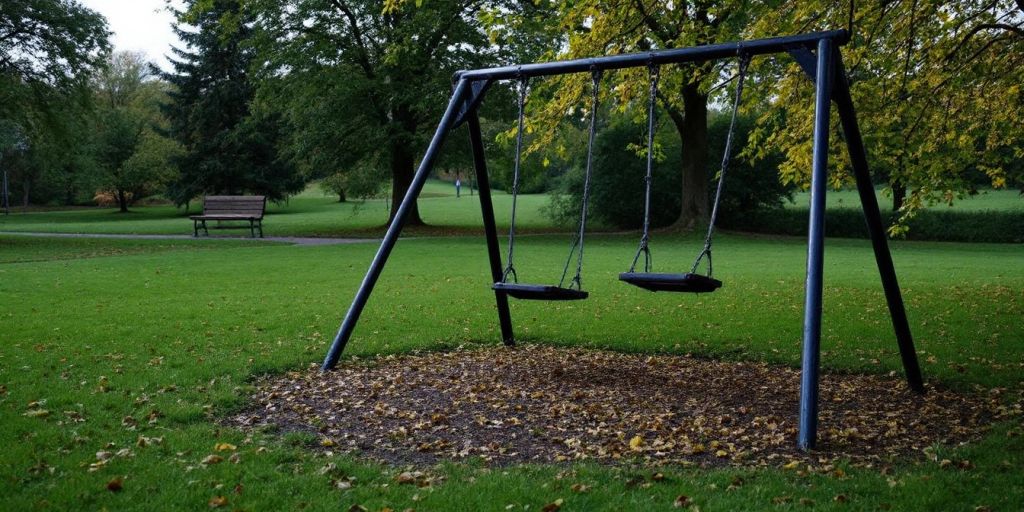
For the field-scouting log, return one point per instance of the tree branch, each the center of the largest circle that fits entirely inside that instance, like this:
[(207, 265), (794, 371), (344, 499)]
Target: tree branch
[(357, 35), (985, 26)]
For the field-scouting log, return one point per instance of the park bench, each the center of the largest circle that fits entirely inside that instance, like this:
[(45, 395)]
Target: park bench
[(231, 208)]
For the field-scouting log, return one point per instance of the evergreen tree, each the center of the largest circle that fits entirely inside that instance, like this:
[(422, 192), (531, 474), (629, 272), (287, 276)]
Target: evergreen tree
[(229, 147)]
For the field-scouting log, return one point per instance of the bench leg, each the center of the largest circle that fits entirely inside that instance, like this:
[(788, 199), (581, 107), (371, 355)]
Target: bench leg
[(259, 226), (252, 229), (205, 229), (195, 228)]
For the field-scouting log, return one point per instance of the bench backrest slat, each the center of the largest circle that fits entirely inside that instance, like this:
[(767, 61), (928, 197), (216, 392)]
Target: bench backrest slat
[(242, 205)]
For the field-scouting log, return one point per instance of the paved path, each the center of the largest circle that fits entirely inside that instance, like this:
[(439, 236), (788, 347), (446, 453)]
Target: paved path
[(285, 239)]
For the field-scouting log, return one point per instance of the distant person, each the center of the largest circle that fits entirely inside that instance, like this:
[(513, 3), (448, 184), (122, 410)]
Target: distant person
[(458, 187)]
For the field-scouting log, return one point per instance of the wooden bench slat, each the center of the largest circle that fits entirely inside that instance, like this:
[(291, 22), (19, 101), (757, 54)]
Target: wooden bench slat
[(227, 208)]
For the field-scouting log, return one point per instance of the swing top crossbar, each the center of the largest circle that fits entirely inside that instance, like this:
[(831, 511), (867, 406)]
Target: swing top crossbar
[(656, 57)]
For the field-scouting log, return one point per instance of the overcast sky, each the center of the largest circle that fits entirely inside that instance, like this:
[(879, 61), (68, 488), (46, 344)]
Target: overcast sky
[(140, 25)]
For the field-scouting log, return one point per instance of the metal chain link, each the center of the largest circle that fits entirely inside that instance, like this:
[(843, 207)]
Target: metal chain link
[(741, 75), (653, 72), (595, 76), (510, 268)]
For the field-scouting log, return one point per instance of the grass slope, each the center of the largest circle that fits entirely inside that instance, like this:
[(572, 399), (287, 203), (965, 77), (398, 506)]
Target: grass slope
[(98, 351)]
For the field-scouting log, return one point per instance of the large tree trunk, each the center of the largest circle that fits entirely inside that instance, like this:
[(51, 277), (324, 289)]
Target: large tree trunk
[(403, 163), (402, 171), (692, 125), (122, 201), (899, 195)]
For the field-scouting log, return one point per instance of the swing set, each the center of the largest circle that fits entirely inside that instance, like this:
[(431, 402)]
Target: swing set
[(818, 56)]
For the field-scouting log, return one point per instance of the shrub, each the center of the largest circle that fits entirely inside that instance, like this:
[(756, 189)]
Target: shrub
[(937, 225)]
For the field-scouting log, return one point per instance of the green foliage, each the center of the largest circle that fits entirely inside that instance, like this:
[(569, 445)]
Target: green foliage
[(361, 182), (55, 43), (617, 185), (930, 224), (227, 147), (131, 159), (937, 89), (363, 84), (617, 181)]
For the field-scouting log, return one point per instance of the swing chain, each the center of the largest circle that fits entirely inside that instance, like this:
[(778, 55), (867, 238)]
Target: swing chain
[(726, 157), (653, 72), (510, 270), (595, 76)]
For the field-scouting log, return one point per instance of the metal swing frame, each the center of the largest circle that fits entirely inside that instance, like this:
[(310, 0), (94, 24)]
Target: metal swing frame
[(818, 55)]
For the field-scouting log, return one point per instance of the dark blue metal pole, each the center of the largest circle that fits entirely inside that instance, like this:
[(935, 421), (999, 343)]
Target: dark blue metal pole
[(490, 230), (873, 218), (359, 302), (671, 56), (815, 250)]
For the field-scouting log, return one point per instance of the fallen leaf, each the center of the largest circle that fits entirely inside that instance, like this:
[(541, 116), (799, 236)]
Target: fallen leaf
[(682, 501), (212, 459), (115, 484), (406, 477), (553, 506), (636, 443), (224, 447), (217, 501)]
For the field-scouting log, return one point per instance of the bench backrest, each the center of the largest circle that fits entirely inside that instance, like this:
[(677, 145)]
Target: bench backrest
[(241, 205)]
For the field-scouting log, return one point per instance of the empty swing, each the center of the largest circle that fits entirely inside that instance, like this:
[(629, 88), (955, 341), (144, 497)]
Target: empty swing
[(561, 291), (691, 281)]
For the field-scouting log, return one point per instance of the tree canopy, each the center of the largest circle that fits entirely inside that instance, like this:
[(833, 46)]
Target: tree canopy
[(55, 42), (937, 86), (364, 85), (228, 146)]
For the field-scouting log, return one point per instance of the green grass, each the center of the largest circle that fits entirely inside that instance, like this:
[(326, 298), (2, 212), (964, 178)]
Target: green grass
[(985, 200), (20, 248), (308, 214), (169, 329)]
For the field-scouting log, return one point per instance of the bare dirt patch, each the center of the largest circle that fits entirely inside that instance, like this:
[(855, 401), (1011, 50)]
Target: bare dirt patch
[(544, 404)]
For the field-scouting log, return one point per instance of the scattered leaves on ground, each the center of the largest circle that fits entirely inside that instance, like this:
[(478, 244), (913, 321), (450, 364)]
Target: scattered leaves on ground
[(544, 404)]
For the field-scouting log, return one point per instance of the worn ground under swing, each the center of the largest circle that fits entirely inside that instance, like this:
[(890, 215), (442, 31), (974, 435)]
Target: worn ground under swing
[(545, 404)]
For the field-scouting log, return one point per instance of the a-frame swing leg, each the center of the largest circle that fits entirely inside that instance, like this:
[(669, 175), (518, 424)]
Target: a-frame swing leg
[(490, 230), (815, 250), (873, 217), (395, 228)]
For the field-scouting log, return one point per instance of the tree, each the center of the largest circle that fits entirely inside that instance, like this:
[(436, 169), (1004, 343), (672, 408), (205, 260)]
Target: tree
[(601, 27), (938, 91), (360, 84), (131, 158), (49, 50), (228, 145), (59, 43)]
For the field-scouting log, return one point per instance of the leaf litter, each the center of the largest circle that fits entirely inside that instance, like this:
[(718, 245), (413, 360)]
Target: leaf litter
[(542, 404)]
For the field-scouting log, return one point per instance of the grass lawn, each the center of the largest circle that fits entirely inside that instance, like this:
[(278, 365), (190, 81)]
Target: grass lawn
[(314, 214), (118, 358), (308, 214), (986, 199)]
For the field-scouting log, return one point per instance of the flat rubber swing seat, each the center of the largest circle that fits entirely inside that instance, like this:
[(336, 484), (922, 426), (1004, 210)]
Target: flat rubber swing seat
[(539, 291), (691, 283)]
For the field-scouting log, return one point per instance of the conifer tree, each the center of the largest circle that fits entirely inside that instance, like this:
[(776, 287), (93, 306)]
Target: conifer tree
[(229, 146)]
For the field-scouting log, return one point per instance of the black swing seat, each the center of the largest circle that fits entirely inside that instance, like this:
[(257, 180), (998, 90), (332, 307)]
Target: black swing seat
[(690, 283), (539, 291)]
